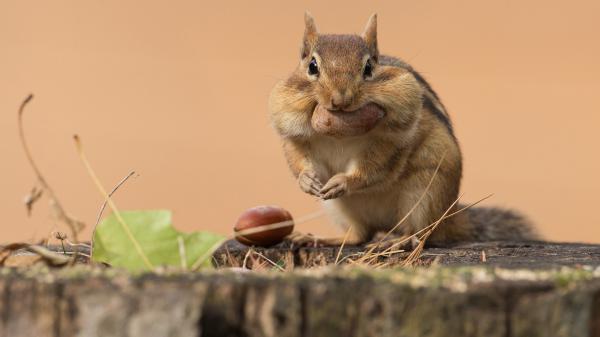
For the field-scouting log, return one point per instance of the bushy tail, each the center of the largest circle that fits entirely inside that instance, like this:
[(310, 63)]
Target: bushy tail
[(496, 224)]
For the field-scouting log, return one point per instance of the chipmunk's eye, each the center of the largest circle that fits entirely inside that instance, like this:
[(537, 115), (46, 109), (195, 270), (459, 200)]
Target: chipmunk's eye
[(313, 67), (368, 72)]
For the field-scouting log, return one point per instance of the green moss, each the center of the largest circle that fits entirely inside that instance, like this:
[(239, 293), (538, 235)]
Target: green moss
[(567, 277), (454, 278)]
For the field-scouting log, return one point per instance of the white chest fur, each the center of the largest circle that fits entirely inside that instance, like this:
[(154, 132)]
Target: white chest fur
[(336, 155), (376, 208)]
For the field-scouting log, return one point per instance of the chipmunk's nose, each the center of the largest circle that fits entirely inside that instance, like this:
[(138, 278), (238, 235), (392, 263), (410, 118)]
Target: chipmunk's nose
[(339, 100)]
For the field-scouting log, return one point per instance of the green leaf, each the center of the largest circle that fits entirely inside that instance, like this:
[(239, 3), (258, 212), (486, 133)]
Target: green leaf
[(157, 239)]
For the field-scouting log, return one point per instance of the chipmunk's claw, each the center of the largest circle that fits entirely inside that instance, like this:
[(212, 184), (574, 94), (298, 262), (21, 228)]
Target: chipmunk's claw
[(335, 187), (309, 183)]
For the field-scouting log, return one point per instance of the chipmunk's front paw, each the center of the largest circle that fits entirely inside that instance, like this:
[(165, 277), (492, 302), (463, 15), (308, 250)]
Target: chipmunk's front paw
[(310, 183), (335, 187)]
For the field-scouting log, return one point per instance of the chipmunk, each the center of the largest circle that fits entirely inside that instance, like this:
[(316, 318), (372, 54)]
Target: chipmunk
[(365, 133)]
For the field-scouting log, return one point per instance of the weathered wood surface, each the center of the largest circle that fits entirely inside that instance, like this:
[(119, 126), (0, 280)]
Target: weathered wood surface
[(522, 289), (431, 302), (530, 255)]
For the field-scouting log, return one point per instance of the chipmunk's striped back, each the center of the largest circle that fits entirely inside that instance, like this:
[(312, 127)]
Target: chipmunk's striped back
[(431, 101)]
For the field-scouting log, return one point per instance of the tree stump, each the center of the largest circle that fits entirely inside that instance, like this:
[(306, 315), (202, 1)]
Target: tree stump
[(522, 289)]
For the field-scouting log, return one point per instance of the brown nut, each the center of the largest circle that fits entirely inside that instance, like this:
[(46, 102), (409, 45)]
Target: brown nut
[(346, 123), (277, 223)]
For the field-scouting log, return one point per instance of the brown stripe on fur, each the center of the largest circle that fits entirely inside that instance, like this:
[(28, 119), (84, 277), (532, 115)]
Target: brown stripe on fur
[(431, 100), (431, 108), (402, 125), (394, 159)]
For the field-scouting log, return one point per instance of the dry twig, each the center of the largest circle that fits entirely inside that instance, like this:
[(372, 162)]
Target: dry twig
[(104, 206), (34, 195), (110, 195), (74, 225)]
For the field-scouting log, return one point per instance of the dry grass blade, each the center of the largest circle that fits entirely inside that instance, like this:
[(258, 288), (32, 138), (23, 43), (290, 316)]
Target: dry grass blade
[(117, 186), (379, 265), (416, 253), (111, 204), (269, 261), (264, 228), (339, 253), (404, 240), (246, 257), (388, 253), (230, 259), (104, 206), (437, 169), (257, 264), (349, 258), (372, 257), (75, 226), (281, 224), (207, 255), (369, 257), (468, 206)]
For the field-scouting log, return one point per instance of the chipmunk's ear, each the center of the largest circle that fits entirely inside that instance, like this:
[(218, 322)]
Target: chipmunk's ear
[(370, 35), (310, 34)]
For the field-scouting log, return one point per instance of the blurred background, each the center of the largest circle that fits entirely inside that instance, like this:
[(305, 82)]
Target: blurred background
[(177, 91)]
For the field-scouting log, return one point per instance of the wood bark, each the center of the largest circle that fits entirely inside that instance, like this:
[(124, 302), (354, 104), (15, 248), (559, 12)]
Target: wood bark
[(527, 297)]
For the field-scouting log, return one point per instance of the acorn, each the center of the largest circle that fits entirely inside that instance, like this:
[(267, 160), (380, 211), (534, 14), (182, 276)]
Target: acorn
[(263, 226)]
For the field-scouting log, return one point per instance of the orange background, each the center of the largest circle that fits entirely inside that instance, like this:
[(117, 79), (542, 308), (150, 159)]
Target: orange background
[(178, 91)]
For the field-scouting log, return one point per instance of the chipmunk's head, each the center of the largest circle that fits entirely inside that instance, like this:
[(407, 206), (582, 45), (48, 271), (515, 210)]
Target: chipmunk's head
[(338, 65), (341, 89)]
